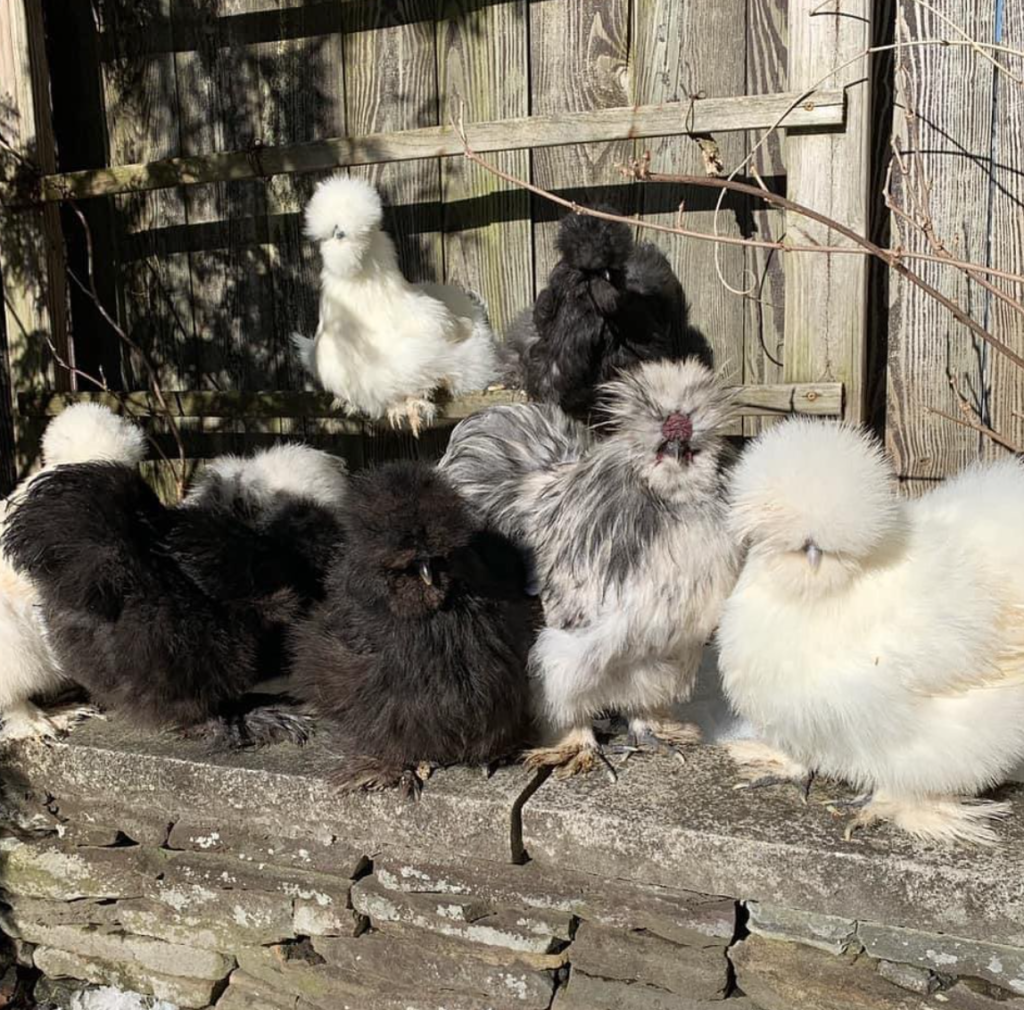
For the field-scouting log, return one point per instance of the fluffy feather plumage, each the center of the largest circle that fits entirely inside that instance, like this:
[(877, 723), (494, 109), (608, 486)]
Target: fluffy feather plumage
[(82, 432), (608, 306), (627, 537), (877, 640), (384, 345), (419, 651), (170, 614)]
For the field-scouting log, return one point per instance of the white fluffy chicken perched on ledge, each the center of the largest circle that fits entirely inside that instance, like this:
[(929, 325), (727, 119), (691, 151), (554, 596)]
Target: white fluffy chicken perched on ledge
[(84, 432), (384, 345), (877, 640)]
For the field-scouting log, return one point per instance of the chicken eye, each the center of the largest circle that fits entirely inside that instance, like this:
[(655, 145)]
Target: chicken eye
[(338, 233)]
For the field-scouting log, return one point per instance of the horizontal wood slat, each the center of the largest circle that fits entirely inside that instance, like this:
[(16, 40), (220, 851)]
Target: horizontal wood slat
[(704, 115), (816, 398)]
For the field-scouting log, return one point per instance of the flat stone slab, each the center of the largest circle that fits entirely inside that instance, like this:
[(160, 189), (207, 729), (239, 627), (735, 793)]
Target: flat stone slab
[(950, 955), (182, 992), (686, 827), (698, 973), (280, 792), (439, 963), (681, 916)]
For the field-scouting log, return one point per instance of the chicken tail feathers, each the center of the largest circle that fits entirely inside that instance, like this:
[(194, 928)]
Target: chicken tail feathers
[(81, 531), (491, 453), (304, 348)]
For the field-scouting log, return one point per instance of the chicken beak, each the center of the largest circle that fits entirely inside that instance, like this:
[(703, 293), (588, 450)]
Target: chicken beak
[(673, 448), (813, 553), (425, 573)]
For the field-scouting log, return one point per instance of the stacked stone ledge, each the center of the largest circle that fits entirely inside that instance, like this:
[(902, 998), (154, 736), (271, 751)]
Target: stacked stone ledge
[(246, 882)]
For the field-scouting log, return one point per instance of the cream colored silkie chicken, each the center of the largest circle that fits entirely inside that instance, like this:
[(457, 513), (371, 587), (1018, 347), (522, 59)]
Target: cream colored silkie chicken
[(84, 432), (874, 639), (383, 345)]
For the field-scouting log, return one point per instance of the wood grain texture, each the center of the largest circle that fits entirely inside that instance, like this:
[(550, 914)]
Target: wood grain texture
[(391, 84), (728, 114), (823, 399), (1005, 380), (579, 60), (948, 143), (153, 282), (765, 323), (826, 298), (682, 51), (483, 74), (31, 248)]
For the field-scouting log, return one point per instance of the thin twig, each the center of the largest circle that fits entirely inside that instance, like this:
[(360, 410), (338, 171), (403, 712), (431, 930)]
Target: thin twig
[(154, 379)]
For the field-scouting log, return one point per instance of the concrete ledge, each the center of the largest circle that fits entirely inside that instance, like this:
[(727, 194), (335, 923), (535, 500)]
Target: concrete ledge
[(230, 880)]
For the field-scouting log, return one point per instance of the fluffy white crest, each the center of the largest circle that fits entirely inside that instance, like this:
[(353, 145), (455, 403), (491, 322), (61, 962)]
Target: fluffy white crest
[(90, 431), (298, 471), (344, 215), (818, 482)]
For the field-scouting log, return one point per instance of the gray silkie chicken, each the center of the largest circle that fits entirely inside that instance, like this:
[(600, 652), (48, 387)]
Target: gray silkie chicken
[(628, 542)]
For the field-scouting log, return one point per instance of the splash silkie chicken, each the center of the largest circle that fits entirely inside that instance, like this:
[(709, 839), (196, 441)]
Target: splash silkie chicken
[(628, 542), (877, 640), (384, 345), (608, 306), (418, 654), (85, 431), (169, 615)]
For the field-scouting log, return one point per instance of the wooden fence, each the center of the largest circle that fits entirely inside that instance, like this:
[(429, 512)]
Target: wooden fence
[(187, 134)]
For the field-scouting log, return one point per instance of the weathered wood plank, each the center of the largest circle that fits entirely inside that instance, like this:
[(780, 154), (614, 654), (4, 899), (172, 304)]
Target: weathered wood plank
[(31, 244), (221, 94), (824, 109), (948, 142), (765, 323), (153, 288), (484, 217), (674, 62), (1007, 242), (579, 61), (391, 85), (822, 399), (826, 299)]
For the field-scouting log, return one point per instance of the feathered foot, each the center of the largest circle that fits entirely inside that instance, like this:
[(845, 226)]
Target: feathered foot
[(945, 819), (367, 774), (576, 753), (661, 734), (416, 411), (255, 728), (26, 721), (761, 765)]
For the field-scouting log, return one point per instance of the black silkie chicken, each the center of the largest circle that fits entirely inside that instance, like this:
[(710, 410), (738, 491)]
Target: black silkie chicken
[(169, 615), (609, 306), (418, 653)]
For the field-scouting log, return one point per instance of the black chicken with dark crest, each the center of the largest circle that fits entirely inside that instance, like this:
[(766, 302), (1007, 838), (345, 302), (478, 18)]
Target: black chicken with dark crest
[(609, 306), (418, 653)]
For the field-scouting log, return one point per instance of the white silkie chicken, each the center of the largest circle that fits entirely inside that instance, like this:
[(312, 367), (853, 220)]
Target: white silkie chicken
[(877, 640), (84, 432), (384, 345)]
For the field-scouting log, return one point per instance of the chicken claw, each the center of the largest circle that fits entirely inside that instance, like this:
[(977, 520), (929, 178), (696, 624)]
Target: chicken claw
[(761, 766), (576, 753), (370, 775)]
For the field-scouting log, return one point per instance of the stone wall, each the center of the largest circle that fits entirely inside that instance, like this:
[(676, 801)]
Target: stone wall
[(244, 882)]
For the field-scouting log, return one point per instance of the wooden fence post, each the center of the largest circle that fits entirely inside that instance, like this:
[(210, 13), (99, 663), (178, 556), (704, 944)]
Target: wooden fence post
[(826, 296), (31, 242)]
